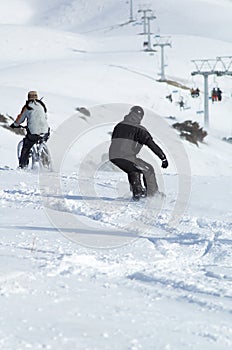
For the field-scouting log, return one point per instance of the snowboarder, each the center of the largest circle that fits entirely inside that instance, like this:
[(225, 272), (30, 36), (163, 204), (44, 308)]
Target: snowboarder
[(128, 137), (34, 111)]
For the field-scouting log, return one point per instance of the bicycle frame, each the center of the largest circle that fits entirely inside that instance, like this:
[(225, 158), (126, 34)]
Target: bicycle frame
[(39, 155)]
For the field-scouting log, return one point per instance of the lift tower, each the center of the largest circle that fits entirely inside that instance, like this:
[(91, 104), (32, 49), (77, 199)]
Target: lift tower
[(162, 41), (205, 67), (144, 18)]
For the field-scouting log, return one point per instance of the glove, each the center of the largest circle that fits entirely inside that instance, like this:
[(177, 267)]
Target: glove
[(13, 126), (47, 135), (164, 163)]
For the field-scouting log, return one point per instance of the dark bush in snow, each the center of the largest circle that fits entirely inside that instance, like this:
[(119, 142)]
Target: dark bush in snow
[(191, 131), (5, 122)]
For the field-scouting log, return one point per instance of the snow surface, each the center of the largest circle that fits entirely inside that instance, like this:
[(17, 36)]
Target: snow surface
[(83, 267)]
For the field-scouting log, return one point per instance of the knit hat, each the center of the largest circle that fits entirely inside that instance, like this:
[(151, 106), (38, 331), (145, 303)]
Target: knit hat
[(137, 110), (135, 115), (32, 95)]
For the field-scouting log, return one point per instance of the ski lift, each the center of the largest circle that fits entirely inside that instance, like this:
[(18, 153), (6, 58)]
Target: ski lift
[(215, 83), (200, 110), (216, 94), (193, 82), (186, 103), (195, 92)]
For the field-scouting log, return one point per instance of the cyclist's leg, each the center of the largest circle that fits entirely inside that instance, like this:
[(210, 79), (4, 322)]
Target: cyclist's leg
[(28, 143), (24, 157)]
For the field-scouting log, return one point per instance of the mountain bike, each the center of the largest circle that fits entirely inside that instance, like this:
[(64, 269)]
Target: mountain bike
[(39, 156)]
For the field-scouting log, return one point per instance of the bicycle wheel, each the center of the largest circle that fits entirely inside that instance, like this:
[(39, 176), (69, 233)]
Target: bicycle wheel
[(19, 148), (45, 157)]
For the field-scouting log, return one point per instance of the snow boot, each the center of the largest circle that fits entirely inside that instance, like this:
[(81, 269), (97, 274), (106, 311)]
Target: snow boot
[(144, 192), (135, 182)]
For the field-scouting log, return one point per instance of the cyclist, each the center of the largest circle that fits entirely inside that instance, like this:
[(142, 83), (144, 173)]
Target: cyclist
[(35, 113)]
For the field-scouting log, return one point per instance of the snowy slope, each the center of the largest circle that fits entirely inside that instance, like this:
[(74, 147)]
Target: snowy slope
[(209, 18), (81, 266)]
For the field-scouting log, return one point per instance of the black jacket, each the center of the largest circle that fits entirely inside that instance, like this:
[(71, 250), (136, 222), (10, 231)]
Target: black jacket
[(129, 137)]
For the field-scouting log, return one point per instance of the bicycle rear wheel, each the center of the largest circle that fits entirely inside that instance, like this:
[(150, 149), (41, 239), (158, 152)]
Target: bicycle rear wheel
[(45, 158)]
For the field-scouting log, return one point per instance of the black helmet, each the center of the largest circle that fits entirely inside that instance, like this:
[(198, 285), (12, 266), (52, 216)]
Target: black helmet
[(137, 110)]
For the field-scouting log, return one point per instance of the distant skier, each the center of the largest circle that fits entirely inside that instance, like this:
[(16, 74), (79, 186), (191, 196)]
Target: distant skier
[(34, 111), (181, 103), (219, 94), (128, 138), (169, 97), (214, 95)]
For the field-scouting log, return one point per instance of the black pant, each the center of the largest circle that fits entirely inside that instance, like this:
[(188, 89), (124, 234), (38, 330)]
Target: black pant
[(134, 168), (28, 142)]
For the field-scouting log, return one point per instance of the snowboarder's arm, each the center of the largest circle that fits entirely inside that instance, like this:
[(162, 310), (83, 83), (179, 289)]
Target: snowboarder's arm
[(158, 151), (155, 148), (145, 138)]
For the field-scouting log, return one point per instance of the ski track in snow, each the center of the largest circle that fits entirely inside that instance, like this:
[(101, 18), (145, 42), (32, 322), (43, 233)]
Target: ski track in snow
[(185, 262)]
